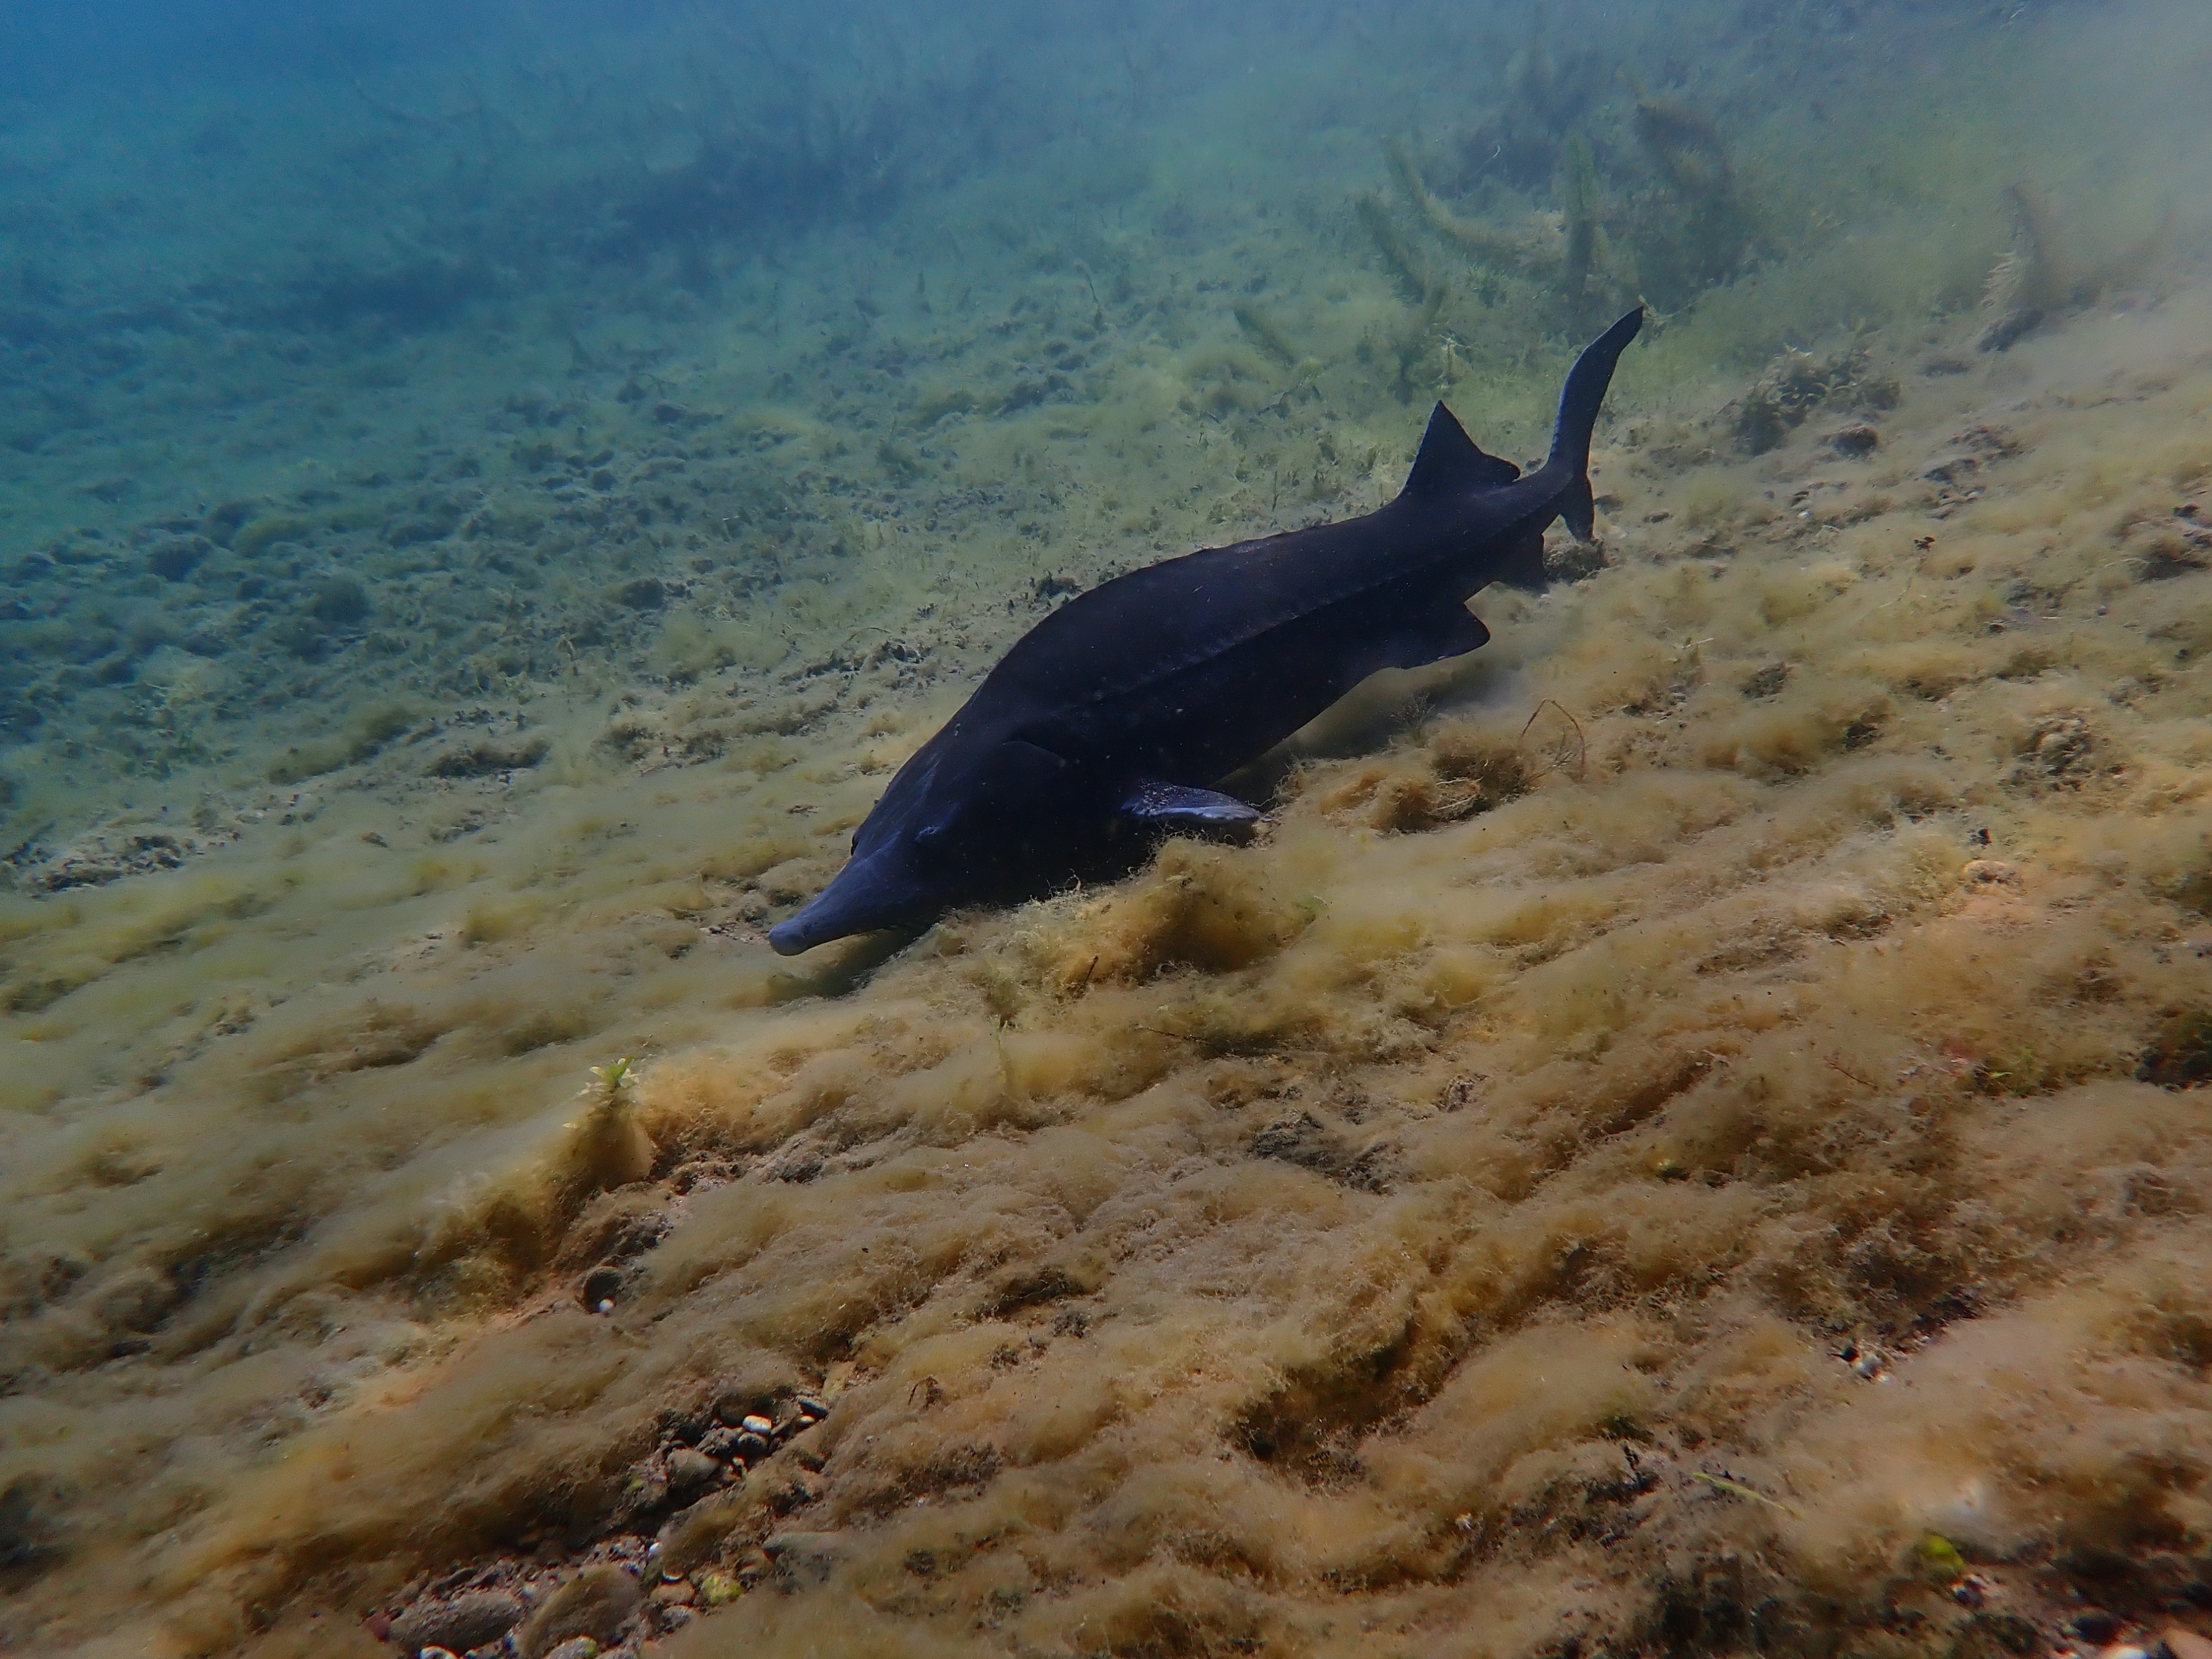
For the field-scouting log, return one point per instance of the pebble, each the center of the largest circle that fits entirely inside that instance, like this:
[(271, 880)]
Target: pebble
[(719, 1588), (1856, 441), (732, 1408), (596, 1604), (576, 1647), (720, 1443), (806, 1558), (2094, 1625), (1974, 1590), (757, 1425), (1867, 1361), (811, 1406), (456, 1622), (690, 1472), (753, 1447)]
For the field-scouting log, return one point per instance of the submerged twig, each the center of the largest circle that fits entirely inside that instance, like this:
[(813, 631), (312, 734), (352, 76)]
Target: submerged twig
[(1835, 1065), (1737, 1489), (1581, 743)]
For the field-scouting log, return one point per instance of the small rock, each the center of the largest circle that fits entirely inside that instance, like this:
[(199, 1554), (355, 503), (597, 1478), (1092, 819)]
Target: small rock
[(718, 1589), (1973, 1591), (1570, 561), (685, 1424), (806, 1558), (1855, 442), (576, 1647), (811, 1406), (647, 1488), (2063, 746), (457, 1622), (753, 1447), (757, 1387), (691, 1473), (679, 1594), (601, 1286), (721, 1444), (596, 1603), (2094, 1625), (1868, 1363), (755, 1424), (1765, 682)]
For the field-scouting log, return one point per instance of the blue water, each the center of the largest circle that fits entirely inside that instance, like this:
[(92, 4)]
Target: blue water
[(308, 312)]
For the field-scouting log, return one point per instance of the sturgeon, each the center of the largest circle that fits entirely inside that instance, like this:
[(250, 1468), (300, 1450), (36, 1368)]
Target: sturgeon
[(1109, 724)]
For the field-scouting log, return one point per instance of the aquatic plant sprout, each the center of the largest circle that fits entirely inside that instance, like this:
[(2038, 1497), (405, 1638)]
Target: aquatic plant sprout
[(1680, 1131)]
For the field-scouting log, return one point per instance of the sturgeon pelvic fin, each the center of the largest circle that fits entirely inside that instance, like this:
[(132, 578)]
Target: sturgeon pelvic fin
[(1578, 405), (1450, 630)]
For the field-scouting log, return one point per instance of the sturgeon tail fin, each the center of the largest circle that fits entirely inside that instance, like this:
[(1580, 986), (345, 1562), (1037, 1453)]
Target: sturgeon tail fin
[(1578, 405)]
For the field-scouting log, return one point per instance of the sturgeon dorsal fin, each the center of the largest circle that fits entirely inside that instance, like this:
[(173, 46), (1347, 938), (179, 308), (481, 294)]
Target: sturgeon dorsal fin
[(1451, 463)]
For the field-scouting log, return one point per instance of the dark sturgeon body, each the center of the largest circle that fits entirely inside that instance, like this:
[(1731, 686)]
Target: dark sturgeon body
[(1109, 723)]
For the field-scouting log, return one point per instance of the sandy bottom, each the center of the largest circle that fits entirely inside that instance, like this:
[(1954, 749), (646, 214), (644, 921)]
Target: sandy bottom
[(1689, 1137), (1686, 1134)]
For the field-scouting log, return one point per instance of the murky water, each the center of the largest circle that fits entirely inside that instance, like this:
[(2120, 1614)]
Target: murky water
[(1685, 1130)]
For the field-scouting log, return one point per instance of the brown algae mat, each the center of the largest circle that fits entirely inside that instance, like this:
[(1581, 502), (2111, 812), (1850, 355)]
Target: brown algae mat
[(1692, 1140)]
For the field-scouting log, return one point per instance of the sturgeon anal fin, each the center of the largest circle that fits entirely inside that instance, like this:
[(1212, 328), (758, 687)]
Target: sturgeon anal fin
[(1176, 806), (1452, 463), (1450, 631)]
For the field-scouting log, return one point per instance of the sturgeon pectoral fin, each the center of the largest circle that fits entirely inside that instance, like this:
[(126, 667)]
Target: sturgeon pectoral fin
[(1174, 806)]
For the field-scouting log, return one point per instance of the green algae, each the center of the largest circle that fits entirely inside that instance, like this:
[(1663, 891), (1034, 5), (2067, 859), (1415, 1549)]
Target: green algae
[(1398, 256), (1265, 332)]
